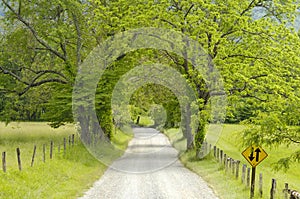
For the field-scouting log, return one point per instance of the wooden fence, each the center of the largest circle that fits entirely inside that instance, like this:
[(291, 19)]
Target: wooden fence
[(243, 173), (71, 140)]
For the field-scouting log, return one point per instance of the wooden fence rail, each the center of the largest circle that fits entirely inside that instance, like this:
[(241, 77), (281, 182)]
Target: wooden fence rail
[(294, 194), (232, 167), (290, 194)]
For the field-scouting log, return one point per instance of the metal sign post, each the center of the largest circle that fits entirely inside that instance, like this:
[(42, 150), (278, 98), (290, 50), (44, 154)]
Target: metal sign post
[(254, 155), (252, 182)]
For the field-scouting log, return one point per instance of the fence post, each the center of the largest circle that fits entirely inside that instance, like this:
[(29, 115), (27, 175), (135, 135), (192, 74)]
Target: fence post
[(218, 154), (19, 158), (225, 159), (248, 177), (244, 173), (69, 141), (286, 189), (51, 149), (33, 156), (237, 169), (221, 156), (253, 175), (273, 189), (65, 147), (44, 152), (260, 185), (215, 151), (226, 164), (233, 166), (4, 161), (73, 138)]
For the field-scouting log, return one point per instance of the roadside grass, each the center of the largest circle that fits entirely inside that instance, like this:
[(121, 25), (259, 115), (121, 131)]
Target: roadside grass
[(65, 176), (225, 185)]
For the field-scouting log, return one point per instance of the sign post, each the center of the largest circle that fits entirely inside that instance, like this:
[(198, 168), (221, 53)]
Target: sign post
[(254, 155)]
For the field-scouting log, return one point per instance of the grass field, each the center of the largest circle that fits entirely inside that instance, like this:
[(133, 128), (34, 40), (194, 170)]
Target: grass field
[(224, 184), (65, 176)]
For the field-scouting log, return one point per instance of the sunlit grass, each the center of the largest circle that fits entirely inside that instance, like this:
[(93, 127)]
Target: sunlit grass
[(67, 175), (231, 142), (225, 185)]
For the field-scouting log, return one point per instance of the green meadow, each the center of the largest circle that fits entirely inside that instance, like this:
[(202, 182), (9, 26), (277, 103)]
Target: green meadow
[(225, 185), (69, 174), (66, 175)]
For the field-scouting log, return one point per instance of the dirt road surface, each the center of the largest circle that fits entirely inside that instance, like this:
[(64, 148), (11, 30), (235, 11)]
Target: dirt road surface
[(149, 169)]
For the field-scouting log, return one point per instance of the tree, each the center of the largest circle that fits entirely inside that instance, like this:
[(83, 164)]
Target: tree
[(257, 56), (159, 103)]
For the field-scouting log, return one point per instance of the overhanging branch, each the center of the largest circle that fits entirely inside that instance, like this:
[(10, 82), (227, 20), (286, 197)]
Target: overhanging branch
[(34, 82), (34, 32)]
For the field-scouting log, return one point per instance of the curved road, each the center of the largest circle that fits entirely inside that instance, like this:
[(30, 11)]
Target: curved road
[(149, 169)]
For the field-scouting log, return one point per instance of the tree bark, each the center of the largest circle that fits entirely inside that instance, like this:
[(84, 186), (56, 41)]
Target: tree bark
[(188, 129)]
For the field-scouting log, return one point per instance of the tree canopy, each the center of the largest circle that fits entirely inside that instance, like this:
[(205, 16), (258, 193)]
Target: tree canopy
[(251, 42)]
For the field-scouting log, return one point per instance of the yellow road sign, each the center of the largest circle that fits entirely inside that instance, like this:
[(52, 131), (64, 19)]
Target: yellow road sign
[(254, 155)]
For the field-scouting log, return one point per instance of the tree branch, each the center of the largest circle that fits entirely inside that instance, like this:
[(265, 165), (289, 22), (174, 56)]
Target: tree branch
[(173, 25), (20, 5), (249, 57), (44, 72), (187, 13), (293, 140), (18, 78), (35, 84), (79, 43), (175, 61), (253, 96), (248, 8), (34, 32), (228, 33)]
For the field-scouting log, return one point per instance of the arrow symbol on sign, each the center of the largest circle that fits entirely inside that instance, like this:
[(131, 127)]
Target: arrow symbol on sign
[(251, 157), (257, 154), (254, 155)]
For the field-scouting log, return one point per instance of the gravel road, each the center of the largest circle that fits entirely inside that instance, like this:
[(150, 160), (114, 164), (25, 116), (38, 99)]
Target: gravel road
[(149, 169)]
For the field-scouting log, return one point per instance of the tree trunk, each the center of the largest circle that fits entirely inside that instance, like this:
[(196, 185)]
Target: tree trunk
[(84, 126), (138, 120), (188, 129)]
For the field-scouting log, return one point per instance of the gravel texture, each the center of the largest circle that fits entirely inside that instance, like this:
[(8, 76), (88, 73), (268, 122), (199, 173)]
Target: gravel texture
[(149, 169)]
